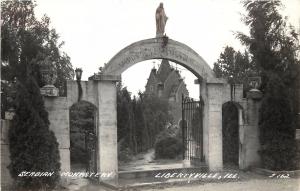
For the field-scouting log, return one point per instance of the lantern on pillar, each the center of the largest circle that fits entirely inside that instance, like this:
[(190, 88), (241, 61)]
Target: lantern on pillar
[(78, 73)]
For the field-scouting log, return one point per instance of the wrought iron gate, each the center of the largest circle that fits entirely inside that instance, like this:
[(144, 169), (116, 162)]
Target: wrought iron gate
[(192, 129)]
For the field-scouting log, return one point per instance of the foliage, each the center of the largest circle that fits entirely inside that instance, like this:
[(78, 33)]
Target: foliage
[(156, 115), (140, 120), (169, 131), (277, 130), (82, 116), (33, 147), (125, 119), (234, 66), (230, 132), (125, 155), (168, 148), (197, 124), (26, 40), (275, 49), (82, 122), (141, 135), (273, 44)]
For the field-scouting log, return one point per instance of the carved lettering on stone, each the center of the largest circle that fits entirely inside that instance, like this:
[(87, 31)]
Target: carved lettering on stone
[(155, 52)]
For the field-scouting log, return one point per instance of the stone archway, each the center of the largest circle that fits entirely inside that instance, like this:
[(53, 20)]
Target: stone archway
[(212, 90), (155, 49)]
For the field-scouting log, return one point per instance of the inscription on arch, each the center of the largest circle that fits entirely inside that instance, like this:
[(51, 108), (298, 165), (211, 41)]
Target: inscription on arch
[(153, 49), (150, 53)]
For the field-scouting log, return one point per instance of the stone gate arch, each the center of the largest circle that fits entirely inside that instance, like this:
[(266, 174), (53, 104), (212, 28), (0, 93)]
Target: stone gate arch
[(156, 49), (214, 91)]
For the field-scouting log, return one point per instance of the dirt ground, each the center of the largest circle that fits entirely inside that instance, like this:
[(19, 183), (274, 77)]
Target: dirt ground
[(291, 184), (251, 185)]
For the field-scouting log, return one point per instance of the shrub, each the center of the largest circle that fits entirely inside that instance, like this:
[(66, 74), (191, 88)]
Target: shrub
[(125, 155), (33, 147), (170, 131), (168, 148)]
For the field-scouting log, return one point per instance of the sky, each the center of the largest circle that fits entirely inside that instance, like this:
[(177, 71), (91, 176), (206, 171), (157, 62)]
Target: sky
[(95, 30)]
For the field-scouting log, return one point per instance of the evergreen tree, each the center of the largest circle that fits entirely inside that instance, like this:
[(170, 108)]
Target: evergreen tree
[(139, 120), (273, 45), (156, 115), (124, 110), (33, 146), (274, 48), (277, 128), (140, 126)]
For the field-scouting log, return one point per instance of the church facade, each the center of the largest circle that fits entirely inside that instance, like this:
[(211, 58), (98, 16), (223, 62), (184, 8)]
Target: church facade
[(167, 83)]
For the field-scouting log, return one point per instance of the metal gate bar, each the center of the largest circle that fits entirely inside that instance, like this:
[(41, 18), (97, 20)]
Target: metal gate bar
[(192, 129)]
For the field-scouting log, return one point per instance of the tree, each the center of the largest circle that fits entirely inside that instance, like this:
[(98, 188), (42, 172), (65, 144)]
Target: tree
[(156, 115), (141, 137), (274, 48), (277, 128), (82, 116), (33, 146), (82, 125), (234, 66), (140, 120), (25, 40)]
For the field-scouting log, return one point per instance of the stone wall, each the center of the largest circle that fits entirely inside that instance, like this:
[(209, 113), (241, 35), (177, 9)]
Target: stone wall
[(6, 179)]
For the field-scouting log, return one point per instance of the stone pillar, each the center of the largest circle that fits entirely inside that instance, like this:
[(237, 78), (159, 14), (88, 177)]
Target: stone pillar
[(212, 94), (58, 115), (251, 142), (107, 127)]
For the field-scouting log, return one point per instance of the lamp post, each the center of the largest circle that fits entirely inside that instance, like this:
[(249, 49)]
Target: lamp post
[(78, 73)]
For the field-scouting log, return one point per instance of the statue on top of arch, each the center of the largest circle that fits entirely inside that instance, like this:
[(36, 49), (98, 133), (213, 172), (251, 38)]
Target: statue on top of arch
[(161, 20)]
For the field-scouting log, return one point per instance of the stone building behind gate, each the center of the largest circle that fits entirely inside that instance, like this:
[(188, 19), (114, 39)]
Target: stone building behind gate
[(167, 83)]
